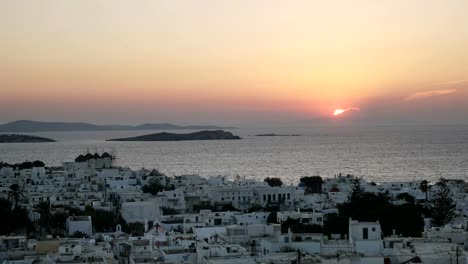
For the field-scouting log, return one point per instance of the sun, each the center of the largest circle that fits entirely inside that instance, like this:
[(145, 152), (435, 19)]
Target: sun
[(338, 112)]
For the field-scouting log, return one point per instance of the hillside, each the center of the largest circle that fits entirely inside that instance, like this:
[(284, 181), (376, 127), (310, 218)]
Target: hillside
[(201, 135), (37, 126)]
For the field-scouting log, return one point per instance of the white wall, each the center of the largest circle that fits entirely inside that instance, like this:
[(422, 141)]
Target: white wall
[(139, 211)]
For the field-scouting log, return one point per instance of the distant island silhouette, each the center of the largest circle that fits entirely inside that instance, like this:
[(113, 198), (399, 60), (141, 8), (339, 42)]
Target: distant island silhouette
[(164, 136), (278, 135), (14, 138), (38, 126)]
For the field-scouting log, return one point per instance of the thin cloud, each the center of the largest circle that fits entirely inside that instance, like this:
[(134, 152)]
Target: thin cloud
[(452, 82), (426, 94)]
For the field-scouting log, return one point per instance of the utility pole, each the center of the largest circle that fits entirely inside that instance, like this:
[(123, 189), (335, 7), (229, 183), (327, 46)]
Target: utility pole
[(457, 253)]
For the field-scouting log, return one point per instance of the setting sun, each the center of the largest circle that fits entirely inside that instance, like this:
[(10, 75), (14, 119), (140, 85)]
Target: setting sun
[(338, 112)]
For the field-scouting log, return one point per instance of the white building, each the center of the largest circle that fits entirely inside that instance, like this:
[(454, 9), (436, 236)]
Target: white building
[(366, 237), (309, 218), (81, 224), (140, 211)]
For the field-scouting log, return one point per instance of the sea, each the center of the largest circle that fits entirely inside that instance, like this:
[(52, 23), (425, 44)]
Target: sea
[(378, 153)]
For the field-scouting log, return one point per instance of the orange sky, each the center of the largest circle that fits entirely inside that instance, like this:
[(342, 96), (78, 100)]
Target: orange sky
[(138, 61)]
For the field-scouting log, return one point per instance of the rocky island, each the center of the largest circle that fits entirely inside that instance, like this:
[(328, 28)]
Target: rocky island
[(13, 138), (201, 135), (278, 135)]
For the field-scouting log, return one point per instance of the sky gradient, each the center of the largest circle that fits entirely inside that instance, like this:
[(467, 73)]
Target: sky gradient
[(234, 62)]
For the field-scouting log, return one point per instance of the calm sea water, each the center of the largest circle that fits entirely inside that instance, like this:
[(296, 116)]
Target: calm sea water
[(377, 153)]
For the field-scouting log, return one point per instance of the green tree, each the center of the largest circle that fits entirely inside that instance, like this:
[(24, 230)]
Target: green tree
[(357, 192), (443, 206), (153, 186), (273, 182), (312, 184)]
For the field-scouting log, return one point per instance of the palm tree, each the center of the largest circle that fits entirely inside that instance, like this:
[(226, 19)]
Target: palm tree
[(14, 194), (43, 208), (424, 187)]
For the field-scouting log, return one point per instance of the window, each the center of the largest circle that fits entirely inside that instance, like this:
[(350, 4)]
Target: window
[(373, 229)]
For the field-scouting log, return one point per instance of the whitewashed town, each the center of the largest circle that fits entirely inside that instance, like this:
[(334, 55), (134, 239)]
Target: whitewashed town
[(91, 211)]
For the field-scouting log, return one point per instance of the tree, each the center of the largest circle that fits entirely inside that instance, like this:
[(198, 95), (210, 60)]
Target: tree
[(105, 221), (312, 184), (335, 224), (405, 196), (228, 207), (136, 228), (424, 187), (14, 194), (43, 208), (168, 211), (272, 218), (38, 163), (153, 186), (443, 206), (57, 220), (12, 219), (156, 172), (273, 182), (255, 208), (357, 192), (366, 206)]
